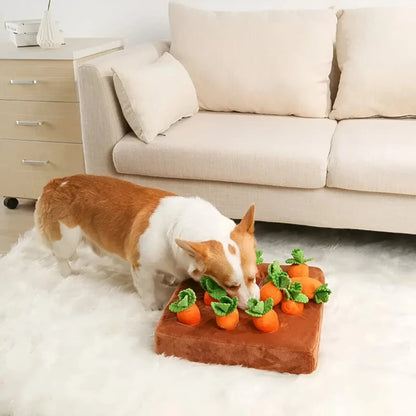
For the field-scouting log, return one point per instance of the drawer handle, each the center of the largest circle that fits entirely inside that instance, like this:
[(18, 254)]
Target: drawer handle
[(34, 162), (23, 81), (28, 123)]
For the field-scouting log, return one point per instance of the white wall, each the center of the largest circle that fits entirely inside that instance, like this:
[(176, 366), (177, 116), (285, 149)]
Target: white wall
[(133, 20), (138, 20)]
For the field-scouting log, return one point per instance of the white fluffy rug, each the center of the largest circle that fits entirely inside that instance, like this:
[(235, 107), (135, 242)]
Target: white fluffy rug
[(83, 345)]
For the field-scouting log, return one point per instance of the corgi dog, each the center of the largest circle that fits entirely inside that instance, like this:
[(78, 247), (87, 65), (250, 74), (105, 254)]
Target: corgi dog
[(159, 233)]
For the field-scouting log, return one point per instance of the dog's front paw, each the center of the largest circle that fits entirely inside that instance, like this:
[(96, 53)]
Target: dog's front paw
[(64, 268), (152, 305)]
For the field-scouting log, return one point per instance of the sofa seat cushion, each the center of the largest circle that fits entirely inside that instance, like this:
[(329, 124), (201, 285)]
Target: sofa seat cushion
[(232, 147), (374, 155)]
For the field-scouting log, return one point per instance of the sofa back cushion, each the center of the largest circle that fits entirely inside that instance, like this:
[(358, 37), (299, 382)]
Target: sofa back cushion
[(377, 59), (269, 62)]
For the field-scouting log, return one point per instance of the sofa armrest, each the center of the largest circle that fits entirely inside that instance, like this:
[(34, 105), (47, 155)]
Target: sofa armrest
[(102, 121)]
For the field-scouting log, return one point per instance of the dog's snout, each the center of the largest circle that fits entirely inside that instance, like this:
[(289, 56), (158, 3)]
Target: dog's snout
[(244, 294), (255, 291)]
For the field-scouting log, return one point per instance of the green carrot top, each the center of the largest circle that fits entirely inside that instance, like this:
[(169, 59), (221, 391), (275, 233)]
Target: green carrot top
[(276, 275), (322, 293), (225, 306), (259, 257), (212, 287), (297, 257), (294, 292), (258, 308), (186, 297)]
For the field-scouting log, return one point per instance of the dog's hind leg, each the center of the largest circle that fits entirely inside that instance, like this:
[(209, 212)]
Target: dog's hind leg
[(54, 222), (64, 248)]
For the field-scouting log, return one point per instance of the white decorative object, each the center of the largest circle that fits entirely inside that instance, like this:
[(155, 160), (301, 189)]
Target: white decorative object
[(23, 32), (49, 36)]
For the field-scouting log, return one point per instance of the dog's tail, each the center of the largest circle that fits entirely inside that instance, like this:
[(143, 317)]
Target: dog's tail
[(45, 216)]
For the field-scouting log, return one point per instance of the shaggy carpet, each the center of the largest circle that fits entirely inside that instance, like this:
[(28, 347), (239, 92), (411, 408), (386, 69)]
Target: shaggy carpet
[(84, 346)]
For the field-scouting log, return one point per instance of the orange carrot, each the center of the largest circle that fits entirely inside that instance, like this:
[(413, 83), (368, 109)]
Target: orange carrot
[(298, 267), (276, 280), (294, 299), (322, 293), (208, 299), (185, 308), (314, 289), (269, 322), (309, 285), (298, 270), (269, 290), (213, 291), (226, 313), (265, 318), (291, 307), (190, 316), (229, 321)]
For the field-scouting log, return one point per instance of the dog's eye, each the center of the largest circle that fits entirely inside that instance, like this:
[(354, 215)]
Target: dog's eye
[(233, 287)]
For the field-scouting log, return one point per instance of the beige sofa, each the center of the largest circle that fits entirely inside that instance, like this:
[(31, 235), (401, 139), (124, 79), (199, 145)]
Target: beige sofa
[(353, 173)]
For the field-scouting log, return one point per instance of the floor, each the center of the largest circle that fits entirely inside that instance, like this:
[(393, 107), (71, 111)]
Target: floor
[(84, 345), (14, 223)]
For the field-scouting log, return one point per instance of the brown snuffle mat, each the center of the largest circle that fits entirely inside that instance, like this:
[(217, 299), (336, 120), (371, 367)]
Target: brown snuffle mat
[(293, 348)]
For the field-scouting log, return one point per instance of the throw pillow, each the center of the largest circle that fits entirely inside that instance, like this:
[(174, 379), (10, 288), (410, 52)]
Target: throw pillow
[(155, 96)]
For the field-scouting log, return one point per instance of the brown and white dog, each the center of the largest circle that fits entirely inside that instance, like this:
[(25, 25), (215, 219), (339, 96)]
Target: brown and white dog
[(157, 232)]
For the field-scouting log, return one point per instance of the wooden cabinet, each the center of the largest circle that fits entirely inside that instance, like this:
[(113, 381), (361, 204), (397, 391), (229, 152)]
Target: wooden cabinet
[(40, 128), (38, 80), (27, 166)]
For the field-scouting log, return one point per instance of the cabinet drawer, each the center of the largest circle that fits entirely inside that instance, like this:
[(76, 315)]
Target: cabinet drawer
[(26, 180), (46, 121), (41, 80)]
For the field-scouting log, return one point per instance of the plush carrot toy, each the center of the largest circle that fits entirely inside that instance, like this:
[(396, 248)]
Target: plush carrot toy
[(313, 288), (259, 257), (322, 293), (185, 308), (265, 319), (298, 267), (276, 280), (294, 301), (213, 291), (226, 313)]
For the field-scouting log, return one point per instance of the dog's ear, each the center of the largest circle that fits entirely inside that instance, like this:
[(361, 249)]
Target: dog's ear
[(246, 224), (198, 251)]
